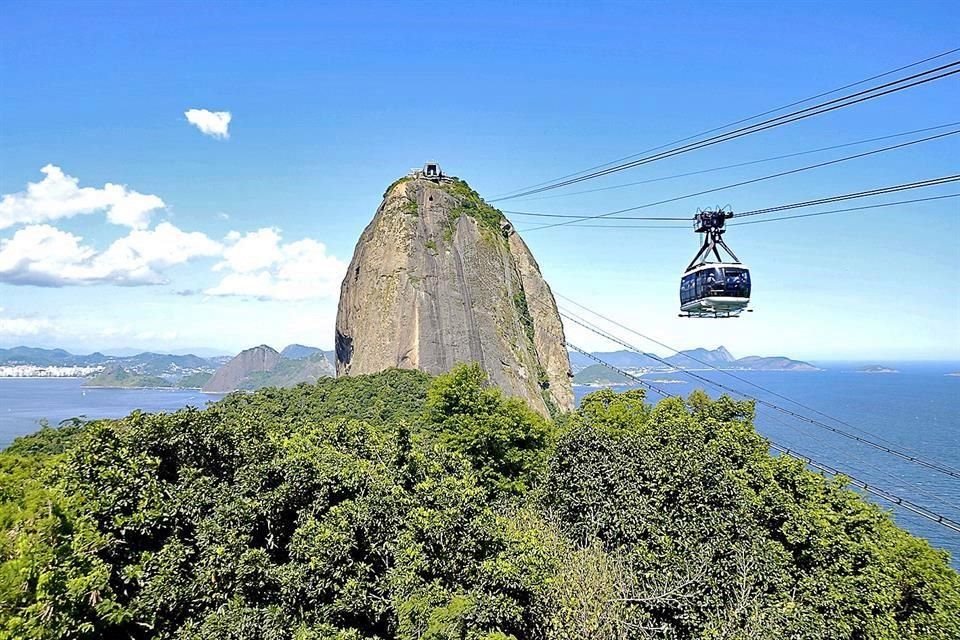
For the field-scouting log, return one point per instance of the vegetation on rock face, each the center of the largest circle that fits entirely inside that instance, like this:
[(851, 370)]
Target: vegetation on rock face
[(396, 182), (523, 312), (470, 203), (399, 506)]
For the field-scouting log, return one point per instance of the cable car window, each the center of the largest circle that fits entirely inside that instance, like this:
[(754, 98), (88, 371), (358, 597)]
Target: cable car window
[(688, 288), (711, 283), (737, 282)]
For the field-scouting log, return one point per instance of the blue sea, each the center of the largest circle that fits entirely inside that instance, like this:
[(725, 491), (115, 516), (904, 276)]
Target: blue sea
[(24, 402), (916, 409)]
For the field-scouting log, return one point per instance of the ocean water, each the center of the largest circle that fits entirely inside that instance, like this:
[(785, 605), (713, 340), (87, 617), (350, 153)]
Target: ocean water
[(24, 402), (916, 409)]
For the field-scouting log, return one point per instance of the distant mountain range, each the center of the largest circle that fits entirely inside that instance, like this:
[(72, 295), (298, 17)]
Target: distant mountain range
[(147, 362), (263, 366), (700, 359), (296, 363)]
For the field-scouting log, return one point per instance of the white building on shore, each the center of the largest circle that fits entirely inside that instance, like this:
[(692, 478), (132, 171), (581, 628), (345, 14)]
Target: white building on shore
[(35, 371)]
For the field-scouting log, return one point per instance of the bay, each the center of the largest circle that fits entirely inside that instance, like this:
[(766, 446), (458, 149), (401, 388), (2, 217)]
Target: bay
[(24, 402)]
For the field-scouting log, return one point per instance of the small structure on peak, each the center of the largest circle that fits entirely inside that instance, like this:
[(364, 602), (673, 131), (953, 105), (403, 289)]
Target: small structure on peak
[(430, 171)]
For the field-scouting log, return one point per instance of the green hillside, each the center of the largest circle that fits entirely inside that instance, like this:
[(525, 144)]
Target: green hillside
[(120, 377), (194, 380), (600, 374), (398, 506)]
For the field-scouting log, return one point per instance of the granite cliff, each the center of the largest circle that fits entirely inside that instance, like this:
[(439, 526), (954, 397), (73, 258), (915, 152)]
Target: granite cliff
[(228, 377), (440, 277)]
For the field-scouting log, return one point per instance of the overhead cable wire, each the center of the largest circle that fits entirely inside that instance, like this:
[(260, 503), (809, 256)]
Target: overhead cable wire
[(741, 183), (881, 493), (901, 483), (648, 385), (741, 121), (932, 182), (686, 227), (885, 494), (943, 71), (848, 209), (870, 488), (935, 466), (741, 164), (741, 379)]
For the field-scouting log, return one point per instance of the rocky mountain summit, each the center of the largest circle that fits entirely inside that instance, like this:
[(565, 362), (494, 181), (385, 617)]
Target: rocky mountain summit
[(440, 277), (264, 366), (253, 360)]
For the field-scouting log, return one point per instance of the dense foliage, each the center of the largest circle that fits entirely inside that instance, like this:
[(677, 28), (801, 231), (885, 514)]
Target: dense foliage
[(396, 506)]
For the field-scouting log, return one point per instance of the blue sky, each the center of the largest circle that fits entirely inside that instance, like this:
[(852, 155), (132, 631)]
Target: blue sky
[(227, 242)]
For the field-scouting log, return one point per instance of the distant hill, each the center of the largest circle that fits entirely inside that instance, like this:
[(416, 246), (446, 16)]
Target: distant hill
[(622, 359), (296, 363), (289, 372), (146, 363), (194, 380), (777, 363), (696, 358), (263, 366), (876, 368), (50, 357), (691, 359), (120, 377), (298, 351), (230, 376), (600, 374)]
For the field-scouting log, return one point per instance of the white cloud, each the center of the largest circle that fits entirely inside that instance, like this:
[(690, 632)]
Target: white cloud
[(43, 255), (212, 123), (45, 329), (259, 265), (59, 196), (21, 326), (252, 251)]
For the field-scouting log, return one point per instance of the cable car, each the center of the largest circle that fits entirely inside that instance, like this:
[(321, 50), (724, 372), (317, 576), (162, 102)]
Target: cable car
[(714, 289)]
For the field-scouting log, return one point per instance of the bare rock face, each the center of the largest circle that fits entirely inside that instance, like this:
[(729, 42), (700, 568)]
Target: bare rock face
[(439, 277), (229, 377)]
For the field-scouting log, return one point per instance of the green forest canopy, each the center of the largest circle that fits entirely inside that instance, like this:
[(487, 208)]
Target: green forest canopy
[(400, 506)]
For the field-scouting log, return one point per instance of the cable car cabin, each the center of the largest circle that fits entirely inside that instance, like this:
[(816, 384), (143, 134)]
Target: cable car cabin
[(715, 290)]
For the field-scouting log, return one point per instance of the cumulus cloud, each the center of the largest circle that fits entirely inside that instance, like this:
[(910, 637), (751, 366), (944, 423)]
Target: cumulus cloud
[(215, 124), (59, 195), (43, 255), (23, 326), (259, 265)]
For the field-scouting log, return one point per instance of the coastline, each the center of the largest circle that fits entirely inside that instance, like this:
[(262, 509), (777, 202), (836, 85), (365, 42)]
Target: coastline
[(107, 386)]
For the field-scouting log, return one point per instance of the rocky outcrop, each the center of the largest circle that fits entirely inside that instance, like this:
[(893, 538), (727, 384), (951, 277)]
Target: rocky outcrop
[(440, 277), (230, 376)]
